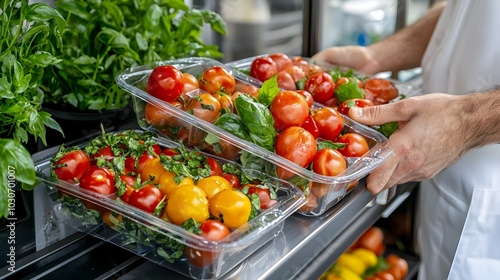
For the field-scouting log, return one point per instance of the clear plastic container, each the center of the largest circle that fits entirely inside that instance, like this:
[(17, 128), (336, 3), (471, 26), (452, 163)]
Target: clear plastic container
[(158, 240), (328, 189)]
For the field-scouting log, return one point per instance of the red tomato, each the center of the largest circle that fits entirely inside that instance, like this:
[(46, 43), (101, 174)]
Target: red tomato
[(329, 162), (217, 79), (170, 152), (307, 96), (165, 83), (160, 118), (382, 89), (310, 125), (399, 263), (297, 73), (344, 107), (211, 230), (105, 152), (332, 102), (263, 68), (297, 145), (288, 109), (215, 167), (130, 163), (248, 89), (321, 86), (204, 106), (329, 123), (190, 82), (385, 275), (264, 196), (300, 62), (285, 81), (226, 103), (146, 198), (373, 240), (129, 183), (71, 166), (233, 180), (282, 61), (356, 145), (99, 180)]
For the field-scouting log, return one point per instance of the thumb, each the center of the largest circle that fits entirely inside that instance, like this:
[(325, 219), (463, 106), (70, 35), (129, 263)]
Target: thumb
[(378, 115)]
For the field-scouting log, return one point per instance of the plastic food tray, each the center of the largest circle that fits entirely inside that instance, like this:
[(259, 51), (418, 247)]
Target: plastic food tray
[(332, 188), (157, 240)]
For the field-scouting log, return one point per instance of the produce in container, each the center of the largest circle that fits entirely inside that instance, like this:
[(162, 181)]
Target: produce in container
[(264, 128), (169, 204)]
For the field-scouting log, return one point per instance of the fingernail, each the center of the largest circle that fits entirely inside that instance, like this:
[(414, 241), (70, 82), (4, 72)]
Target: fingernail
[(355, 112)]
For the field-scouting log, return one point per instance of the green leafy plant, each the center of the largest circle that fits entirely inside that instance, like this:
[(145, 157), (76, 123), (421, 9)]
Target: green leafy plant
[(103, 38), (24, 32)]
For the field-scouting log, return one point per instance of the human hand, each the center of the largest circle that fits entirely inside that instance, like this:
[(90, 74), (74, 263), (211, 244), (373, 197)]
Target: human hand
[(431, 136), (355, 57)]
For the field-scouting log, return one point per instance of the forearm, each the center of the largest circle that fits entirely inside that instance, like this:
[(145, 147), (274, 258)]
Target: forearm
[(405, 49), (481, 113)]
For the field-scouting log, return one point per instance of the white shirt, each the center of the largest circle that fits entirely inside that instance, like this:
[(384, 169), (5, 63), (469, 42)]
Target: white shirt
[(463, 56)]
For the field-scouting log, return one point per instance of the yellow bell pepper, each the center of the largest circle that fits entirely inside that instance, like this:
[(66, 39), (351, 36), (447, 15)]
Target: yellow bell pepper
[(368, 257), (352, 262)]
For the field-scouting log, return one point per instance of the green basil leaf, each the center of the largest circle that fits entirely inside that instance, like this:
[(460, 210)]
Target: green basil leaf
[(38, 12), (73, 7), (215, 20), (152, 19), (43, 59), (142, 43), (233, 124), (269, 90), (5, 89), (348, 91), (50, 122)]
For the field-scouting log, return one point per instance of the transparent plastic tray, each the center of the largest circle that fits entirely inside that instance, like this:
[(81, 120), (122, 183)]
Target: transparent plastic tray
[(157, 240), (330, 188)]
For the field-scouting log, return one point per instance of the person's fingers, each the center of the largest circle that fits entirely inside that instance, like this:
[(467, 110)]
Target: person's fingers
[(377, 180), (381, 114)]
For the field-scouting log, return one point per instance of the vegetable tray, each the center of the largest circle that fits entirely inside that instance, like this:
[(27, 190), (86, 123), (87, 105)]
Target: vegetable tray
[(204, 135), (158, 239)]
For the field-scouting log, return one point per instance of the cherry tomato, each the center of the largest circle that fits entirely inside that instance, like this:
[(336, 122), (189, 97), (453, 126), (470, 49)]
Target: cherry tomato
[(168, 184), (226, 103), (71, 166), (170, 152), (217, 79), (130, 163), (329, 123), (105, 152), (99, 180), (263, 68), (332, 102), (285, 81), (297, 145), (264, 196), (373, 240), (313, 68), (146, 198), (321, 86), (310, 125), (204, 106), (288, 109), (248, 89), (401, 264), (190, 82), (165, 83), (297, 73), (187, 202), (384, 275), (160, 118), (129, 186), (344, 107), (152, 171), (356, 145), (233, 180), (215, 167), (211, 230), (329, 162), (307, 96), (282, 60), (381, 88), (231, 207), (213, 184), (303, 64)]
